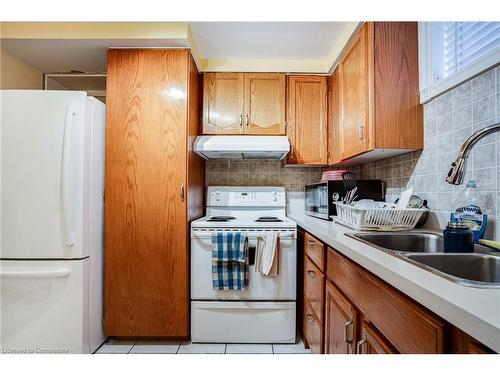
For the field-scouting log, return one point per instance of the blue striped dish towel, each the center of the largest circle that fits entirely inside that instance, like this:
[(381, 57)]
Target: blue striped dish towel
[(229, 261)]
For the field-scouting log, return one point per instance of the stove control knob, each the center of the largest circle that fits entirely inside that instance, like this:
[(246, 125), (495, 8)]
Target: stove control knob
[(275, 195), (217, 196)]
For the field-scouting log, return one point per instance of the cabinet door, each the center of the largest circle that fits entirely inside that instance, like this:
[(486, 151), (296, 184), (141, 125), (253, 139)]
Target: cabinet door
[(313, 330), (355, 71), (223, 103), (411, 328), (340, 323), (398, 115), (314, 282), (334, 117), (146, 259), (264, 103), (372, 342), (306, 116)]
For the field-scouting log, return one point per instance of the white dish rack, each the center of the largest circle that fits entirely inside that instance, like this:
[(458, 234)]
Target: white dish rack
[(387, 218)]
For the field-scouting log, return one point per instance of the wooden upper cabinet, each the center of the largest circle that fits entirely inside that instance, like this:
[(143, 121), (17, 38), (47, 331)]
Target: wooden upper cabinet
[(374, 106), (398, 112), (264, 103), (341, 323), (355, 89), (334, 117), (244, 103), (307, 119), (372, 342), (223, 103)]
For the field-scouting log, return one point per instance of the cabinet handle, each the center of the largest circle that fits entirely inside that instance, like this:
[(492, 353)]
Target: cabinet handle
[(241, 120), (311, 273), (310, 318), (361, 129), (361, 132), (361, 345), (246, 120), (311, 242), (182, 192), (348, 331)]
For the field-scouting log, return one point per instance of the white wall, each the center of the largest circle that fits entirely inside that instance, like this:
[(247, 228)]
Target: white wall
[(16, 74)]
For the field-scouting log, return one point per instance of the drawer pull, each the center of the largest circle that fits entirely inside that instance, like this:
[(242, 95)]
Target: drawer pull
[(311, 273), (348, 334), (311, 242), (360, 347), (310, 318)]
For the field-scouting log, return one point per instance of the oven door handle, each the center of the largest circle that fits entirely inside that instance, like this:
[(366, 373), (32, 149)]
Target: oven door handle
[(290, 236)]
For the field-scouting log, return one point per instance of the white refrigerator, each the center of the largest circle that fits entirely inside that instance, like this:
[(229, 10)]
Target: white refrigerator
[(52, 190)]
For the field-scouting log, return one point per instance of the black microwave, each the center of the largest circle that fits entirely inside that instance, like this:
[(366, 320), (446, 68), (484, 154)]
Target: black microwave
[(319, 196)]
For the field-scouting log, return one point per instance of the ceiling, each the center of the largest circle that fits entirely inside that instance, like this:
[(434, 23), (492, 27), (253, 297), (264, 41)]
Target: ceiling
[(85, 55), (224, 46), (266, 40)]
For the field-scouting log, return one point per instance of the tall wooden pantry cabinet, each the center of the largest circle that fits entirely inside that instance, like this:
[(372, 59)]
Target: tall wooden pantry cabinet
[(154, 188)]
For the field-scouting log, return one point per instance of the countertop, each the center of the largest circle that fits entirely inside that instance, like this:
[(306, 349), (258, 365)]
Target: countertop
[(475, 311)]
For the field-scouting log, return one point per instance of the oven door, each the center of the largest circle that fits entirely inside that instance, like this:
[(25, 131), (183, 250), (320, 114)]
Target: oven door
[(264, 288)]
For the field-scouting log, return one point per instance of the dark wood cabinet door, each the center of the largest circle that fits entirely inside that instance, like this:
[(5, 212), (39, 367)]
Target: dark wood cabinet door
[(372, 342), (146, 259), (341, 323)]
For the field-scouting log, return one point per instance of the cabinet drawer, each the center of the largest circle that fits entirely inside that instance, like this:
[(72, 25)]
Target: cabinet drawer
[(407, 325), (315, 250), (314, 287), (313, 330)]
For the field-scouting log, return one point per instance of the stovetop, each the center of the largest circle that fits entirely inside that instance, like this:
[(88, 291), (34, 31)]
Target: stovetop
[(268, 219), (221, 219), (245, 207), (243, 222)]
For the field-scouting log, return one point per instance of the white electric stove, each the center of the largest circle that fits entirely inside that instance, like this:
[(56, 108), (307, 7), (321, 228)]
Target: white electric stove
[(265, 312)]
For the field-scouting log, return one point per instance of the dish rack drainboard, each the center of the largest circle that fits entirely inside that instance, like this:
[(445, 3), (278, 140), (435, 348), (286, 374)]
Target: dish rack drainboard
[(378, 219)]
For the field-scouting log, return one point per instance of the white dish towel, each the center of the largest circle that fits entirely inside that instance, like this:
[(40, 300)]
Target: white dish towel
[(267, 254)]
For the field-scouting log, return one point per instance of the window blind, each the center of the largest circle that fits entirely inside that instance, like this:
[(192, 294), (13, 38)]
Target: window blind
[(464, 43)]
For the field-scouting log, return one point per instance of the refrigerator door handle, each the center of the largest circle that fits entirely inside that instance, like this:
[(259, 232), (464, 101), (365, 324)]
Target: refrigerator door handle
[(65, 200), (31, 274)]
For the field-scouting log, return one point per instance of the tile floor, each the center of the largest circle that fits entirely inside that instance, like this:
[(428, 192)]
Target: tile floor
[(176, 347)]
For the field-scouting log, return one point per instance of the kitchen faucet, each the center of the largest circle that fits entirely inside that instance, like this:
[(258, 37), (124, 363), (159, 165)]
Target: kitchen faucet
[(458, 167)]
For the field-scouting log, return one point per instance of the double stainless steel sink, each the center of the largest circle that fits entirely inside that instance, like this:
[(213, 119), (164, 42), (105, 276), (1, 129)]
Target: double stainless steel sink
[(480, 269)]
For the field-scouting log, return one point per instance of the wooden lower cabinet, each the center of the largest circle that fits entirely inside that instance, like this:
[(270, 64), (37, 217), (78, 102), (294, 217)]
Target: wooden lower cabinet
[(462, 343), (341, 322), (406, 324), (313, 330), (314, 282), (372, 342), (365, 315)]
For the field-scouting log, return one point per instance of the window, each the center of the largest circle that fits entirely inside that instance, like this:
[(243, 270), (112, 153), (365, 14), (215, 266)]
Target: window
[(452, 52)]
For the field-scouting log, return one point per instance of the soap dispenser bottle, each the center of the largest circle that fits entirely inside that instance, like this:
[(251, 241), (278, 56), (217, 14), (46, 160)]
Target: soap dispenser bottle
[(469, 209)]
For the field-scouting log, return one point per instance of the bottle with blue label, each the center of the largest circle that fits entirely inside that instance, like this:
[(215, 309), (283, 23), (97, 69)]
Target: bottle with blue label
[(469, 209)]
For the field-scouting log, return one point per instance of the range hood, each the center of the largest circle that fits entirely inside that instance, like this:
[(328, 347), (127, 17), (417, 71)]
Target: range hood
[(241, 147)]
